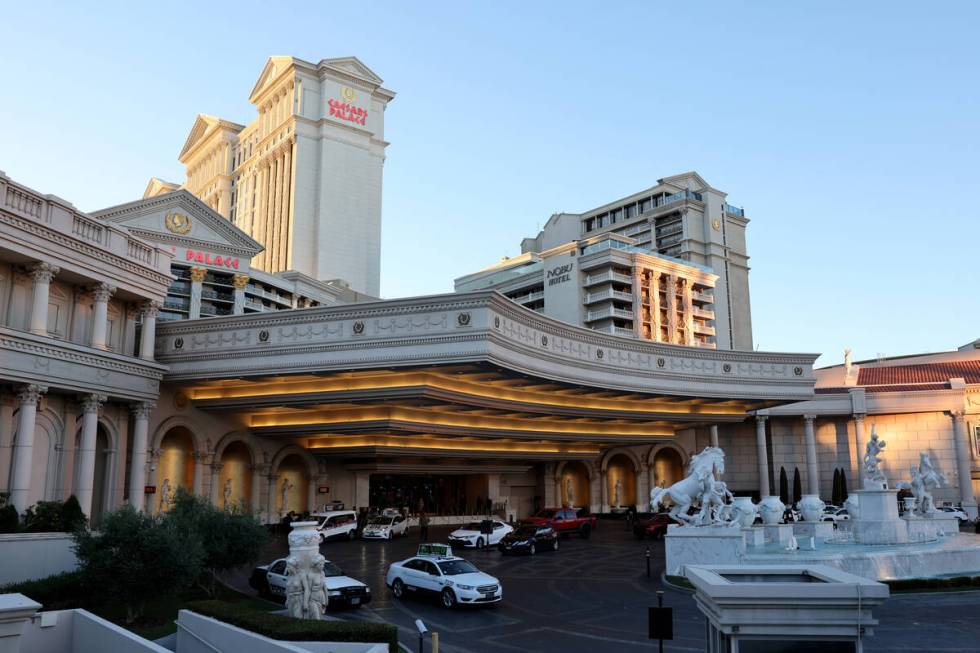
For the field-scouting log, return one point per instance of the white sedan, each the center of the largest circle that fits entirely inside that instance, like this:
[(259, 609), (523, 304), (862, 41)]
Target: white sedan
[(342, 590), (839, 515), (384, 527), (454, 580), (472, 534), (950, 511)]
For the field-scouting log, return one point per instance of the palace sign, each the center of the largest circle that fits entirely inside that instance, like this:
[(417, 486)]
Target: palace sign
[(198, 256), (347, 111)]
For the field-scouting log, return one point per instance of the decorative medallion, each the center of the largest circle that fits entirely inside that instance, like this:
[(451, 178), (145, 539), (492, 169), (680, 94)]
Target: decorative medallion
[(463, 319), (348, 94), (263, 336), (178, 343), (661, 362), (716, 224), (726, 367), (598, 353), (177, 223), (181, 401), (798, 371), (544, 341), (358, 327), (496, 322)]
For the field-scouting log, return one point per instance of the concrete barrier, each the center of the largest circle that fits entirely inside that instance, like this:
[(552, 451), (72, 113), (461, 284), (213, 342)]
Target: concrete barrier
[(28, 556)]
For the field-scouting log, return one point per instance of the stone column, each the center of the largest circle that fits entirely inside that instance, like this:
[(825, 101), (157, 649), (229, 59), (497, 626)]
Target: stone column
[(101, 292), (137, 469), (215, 491), (688, 307), (256, 498), (311, 488), (7, 404), (595, 492), (148, 334), (714, 435), (655, 304), (859, 445), (963, 465), (197, 277), (362, 490), (272, 513), (200, 459), (763, 454), (23, 449), (672, 308), (86, 451), (548, 485), (812, 468), (239, 281), (642, 488), (603, 490), (42, 274)]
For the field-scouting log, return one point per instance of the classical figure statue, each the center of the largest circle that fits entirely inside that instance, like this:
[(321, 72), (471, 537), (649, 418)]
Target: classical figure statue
[(699, 489), (618, 492), (569, 492), (295, 589), (166, 496), (922, 481), (874, 478), (316, 589), (286, 487), (227, 492)]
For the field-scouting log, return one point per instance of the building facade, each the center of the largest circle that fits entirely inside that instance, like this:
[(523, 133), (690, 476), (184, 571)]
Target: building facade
[(684, 218), (304, 178), (609, 284)]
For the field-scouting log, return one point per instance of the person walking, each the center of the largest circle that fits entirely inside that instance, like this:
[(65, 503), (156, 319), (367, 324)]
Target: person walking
[(423, 527)]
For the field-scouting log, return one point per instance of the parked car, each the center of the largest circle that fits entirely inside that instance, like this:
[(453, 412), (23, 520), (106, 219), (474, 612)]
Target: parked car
[(384, 527), (952, 511), (454, 580), (654, 527), (840, 515), (529, 539), (564, 521), (342, 591), (335, 524), (472, 534)]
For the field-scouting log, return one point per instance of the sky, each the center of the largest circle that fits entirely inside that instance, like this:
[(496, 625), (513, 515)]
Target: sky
[(850, 132)]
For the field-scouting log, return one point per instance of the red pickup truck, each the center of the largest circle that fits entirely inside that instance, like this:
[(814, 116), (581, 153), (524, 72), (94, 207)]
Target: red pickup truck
[(564, 520)]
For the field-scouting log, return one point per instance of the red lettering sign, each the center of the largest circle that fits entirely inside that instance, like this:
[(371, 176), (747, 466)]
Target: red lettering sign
[(208, 259), (347, 111)]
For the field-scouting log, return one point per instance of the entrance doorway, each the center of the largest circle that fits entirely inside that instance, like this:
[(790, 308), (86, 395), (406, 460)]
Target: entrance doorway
[(440, 494)]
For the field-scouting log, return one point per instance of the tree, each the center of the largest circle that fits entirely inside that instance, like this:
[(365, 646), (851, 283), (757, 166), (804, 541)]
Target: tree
[(136, 557), (797, 486), (54, 517), (843, 486), (783, 486), (229, 537), (835, 489)]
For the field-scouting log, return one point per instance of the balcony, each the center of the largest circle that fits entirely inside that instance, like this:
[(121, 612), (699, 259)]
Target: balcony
[(700, 312), (608, 312), (616, 331), (602, 277), (605, 295), (530, 297), (704, 329), (734, 210), (704, 297)]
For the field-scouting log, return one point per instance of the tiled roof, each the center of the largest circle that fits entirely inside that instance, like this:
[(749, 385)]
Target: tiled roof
[(930, 373), (898, 387)]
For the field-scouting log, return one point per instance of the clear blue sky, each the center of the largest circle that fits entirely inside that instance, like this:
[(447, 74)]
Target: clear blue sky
[(849, 131)]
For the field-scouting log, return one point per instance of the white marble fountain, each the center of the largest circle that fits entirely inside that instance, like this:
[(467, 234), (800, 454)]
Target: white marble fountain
[(876, 543)]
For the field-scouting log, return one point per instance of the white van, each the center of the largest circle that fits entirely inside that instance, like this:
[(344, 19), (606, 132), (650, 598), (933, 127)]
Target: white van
[(336, 523)]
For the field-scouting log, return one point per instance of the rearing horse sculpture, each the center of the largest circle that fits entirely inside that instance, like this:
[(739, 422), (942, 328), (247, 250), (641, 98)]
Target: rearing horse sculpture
[(700, 482)]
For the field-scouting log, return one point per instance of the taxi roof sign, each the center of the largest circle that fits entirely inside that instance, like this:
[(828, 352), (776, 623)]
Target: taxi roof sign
[(435, 550)]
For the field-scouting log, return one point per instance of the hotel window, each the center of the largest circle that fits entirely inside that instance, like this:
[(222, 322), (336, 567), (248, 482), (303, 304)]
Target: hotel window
[(630, 211), (645, 205), (615, 216)]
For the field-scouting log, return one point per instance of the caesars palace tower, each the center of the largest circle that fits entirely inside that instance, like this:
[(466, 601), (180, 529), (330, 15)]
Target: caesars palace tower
[(304, 178)]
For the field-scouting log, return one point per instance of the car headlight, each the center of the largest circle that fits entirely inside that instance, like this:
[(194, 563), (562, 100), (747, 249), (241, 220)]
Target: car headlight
[(367, 589), (465, 587), (333, 593)]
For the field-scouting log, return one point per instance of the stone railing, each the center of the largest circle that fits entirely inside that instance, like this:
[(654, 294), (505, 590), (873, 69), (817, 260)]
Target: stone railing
[(477, 327)]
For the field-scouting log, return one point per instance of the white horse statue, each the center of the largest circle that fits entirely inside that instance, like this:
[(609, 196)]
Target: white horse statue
[(697, 489), (923, 480)]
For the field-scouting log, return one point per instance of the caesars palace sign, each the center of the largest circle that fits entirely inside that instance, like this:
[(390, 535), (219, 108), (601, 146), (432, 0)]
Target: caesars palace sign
[(345, 109)]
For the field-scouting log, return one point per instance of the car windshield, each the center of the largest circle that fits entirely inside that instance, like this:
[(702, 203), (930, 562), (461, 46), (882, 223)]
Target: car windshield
[(524, 533), (472, 526), (380, 521), (455, 567), (546, 514), (330, 570)]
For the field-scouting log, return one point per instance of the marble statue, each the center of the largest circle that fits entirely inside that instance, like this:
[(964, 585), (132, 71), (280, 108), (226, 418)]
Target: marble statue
[(874, 478), (286, 487), (315, 589), (847, 361), (165, 494), (295, 591), (569, 492), (922, 481), (227, 492), (699, 489), (618, 492)]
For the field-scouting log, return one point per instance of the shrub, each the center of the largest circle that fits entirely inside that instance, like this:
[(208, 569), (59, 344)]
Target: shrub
[(9, 519), (280, 627), (229, 537), (933, 584), (54, 517), (136, 557), (72, 517), (58, 592)]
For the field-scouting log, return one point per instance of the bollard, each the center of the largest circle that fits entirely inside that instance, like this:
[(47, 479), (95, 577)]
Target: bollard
[(435, 643), (648, 562), (660, 604)]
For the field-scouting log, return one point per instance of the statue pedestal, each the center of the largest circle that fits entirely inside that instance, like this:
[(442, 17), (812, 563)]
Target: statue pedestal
[(778, 533), (754, 536), (820, 531), (702, 545), (878, 521)]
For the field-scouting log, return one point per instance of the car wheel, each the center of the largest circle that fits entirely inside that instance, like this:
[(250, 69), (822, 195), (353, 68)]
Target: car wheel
[(388, 535), (554, 545), (448, 598), (479, 542), (398, 588), (586, 531), (533, 549), (351, 534)]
